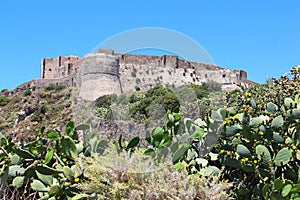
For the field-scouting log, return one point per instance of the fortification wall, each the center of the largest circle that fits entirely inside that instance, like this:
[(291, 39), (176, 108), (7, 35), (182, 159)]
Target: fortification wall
[(98, 75), (114, 73), (59, 67)]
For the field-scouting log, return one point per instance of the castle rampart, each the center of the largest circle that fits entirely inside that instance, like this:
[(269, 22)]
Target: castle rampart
[(105, 72)]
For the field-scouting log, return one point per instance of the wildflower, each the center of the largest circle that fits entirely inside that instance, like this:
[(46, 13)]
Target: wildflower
[(248, 99), (286, 142), (261, 133), (246, 159), (237, 117), (224, 123), (255, 161), (187, 165), (222, 151), (228, 152), (76, 180), (294, 147), (238, 134), (248, 94), (64, 159), (225, 107)]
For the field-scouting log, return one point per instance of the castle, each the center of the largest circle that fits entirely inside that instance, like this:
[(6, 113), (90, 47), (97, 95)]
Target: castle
[(106, 72)]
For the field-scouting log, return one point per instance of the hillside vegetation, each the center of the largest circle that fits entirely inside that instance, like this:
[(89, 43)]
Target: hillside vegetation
[(243, 147)]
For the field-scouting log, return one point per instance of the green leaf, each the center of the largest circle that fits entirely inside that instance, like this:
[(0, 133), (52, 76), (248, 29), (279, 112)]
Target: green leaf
[(150, 152), (82, 127), (177, 117), (231, 162), (80, 196), (148, 137), (53, 135), (53, 190), (283, 157), (286, 190), (44, 169), (263, 154), (289, 103), (271, 107), (201, 161), (15, 159), (133, 143), (243, 151), (255, 123), (16, 170), (18, 181), (296, 113), (278, 184), (33, 149), (278, 138), (252, 102), (42, 130), (216, 116), (233, 130), (69, 128), (296, 188), (24, 154), (277, 122), (198, 134), (38, 186), (68, 145), (180, 152), (265, 191), (68, 173), (174, 147), (47, 179), (185, 137), (49, 156)]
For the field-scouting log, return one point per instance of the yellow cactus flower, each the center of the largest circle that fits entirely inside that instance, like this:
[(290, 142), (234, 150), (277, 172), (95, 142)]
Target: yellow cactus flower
[(286, 142)]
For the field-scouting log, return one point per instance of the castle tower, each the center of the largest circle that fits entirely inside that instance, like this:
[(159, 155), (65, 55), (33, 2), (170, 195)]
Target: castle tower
[(98, 75)]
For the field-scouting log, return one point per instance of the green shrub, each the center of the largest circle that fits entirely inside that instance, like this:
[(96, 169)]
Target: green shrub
[(27, 92), (4, 100), (53, 87), (212, 86), (119, 175), (4, 90)]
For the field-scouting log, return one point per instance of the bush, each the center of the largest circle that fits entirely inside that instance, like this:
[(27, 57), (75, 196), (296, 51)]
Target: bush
[(52, 87), (118, 175), (27, 92), (4, 100), (212, 86)]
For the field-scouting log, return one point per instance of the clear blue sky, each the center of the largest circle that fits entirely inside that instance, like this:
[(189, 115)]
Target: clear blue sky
[(260, 37)]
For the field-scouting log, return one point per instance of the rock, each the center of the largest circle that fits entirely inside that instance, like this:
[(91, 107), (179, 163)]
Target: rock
[(21, 116)]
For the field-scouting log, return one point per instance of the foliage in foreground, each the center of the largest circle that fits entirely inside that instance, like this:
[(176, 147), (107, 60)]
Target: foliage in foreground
[(136, 176), (254, 144)]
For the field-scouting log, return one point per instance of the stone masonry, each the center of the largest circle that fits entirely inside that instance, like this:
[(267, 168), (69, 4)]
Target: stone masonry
[(105, 72)]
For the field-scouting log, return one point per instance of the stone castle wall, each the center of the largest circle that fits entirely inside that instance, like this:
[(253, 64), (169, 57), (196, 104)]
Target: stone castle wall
[(104, 72)]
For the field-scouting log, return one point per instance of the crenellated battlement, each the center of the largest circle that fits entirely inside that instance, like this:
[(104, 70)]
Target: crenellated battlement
[(139, 72)]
